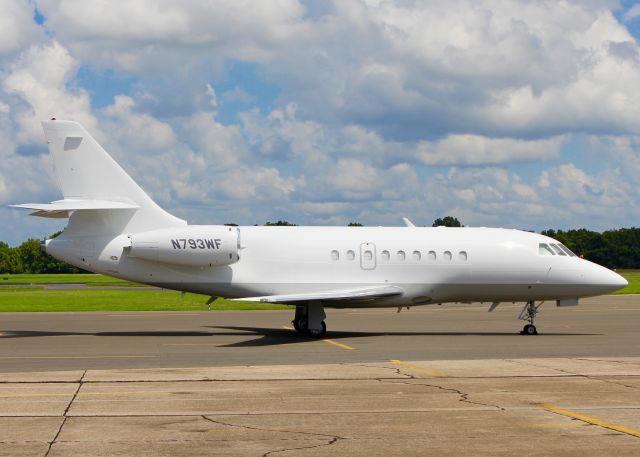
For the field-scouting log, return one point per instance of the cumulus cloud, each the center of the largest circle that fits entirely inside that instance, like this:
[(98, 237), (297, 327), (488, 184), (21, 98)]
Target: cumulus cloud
[(376, 109), (17, 27), (141, 131), (475, 150), (632, 13), (39, 78)]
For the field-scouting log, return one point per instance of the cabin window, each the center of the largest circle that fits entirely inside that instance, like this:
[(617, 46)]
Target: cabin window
[(368, 255), (335, 255), (447, 255), (431, 256), (567, 250), (462, 255), (417, 256), (544, 249), (385, 256), (401, 255), (351, 255), (557, 249)]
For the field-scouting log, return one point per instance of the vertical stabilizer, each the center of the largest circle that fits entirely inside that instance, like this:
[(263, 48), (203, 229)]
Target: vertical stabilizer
[(85, 171)]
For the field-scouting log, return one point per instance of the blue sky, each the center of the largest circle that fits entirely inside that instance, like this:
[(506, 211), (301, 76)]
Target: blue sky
[(500, 113)]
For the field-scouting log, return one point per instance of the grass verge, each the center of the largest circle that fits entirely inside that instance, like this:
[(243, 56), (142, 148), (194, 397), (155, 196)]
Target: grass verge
[(633, 276), (35, 298)]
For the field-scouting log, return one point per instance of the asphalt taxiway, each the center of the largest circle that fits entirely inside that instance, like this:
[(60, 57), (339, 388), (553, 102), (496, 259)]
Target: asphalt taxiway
[(600, 327), (451, 380)]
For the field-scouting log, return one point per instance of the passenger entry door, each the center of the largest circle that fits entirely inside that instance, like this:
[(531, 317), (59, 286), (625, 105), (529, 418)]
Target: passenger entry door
[(368, 256)]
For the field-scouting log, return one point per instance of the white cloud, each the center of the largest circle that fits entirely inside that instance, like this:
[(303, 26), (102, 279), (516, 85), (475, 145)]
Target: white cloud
[(370, 105), (140, 131), (39, 77), (632, 13), (17, 27), (475, 150)]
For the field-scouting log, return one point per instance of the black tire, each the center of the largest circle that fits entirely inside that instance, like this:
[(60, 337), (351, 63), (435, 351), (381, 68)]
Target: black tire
[(296, 325), (316, 333), (529, 329), (303, 325)]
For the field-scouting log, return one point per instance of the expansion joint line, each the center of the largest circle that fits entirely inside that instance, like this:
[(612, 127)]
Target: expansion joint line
[(64, 414), (333, 438)]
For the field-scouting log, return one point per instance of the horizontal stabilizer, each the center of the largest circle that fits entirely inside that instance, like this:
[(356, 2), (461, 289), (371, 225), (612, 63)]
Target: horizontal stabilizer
[(62, 208), (362, 293)]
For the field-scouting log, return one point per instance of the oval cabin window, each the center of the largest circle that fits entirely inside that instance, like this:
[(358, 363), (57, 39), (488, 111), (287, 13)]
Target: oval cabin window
[(447, 255), (416, 256), (385, 256), (462, 255), (432, 256), (335, 255), (351, 255), (401, 255)]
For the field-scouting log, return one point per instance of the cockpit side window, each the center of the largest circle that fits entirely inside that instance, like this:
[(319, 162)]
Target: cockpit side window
[(557, 249), (544, 249), (567, 250)]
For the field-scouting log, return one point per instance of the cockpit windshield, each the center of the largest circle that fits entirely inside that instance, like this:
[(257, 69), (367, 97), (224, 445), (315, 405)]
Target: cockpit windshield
[(557, 249), (554, 249), (544, 249), (567, 250)]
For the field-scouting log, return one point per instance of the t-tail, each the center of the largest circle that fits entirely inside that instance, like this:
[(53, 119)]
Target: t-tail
[(100, 198)]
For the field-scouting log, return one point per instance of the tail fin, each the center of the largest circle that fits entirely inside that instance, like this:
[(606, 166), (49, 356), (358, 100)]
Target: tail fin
[(98, 194)]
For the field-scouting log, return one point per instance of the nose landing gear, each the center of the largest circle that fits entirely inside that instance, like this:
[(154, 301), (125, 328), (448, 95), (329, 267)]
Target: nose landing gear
[(528, 313)]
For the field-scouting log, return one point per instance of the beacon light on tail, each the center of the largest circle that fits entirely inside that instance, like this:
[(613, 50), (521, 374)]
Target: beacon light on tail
[(115, 228)]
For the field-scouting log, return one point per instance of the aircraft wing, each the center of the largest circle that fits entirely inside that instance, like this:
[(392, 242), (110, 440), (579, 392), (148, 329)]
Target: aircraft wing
[(61, 208), (357, 294)]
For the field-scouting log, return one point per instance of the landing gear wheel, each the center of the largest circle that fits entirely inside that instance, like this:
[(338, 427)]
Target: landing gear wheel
[(301, 325), (529, 329), (316, 333)]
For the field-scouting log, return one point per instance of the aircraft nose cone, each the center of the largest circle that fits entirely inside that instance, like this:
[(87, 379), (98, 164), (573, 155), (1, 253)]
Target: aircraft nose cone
[(609, 281)]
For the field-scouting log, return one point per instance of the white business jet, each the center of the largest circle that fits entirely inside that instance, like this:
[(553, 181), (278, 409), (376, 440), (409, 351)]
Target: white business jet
[(116, 229)]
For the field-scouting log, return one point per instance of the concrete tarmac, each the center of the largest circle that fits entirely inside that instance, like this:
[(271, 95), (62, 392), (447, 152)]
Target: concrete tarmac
[(534, 407), (450, 380)]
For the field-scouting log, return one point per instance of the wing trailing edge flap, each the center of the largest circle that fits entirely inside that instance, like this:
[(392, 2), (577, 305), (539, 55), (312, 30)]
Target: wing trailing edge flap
[(62, 208), (356, 294)]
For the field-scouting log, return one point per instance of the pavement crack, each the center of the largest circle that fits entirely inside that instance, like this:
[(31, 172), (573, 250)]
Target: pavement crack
[(395, 370), (464, 397), (64, 414), (332, 441), (610, 381), (531, 364), (589, 359), (332, 438)]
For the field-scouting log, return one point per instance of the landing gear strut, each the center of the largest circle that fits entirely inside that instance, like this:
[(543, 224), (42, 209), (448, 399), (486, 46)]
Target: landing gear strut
[(309, 320), (528, 313)]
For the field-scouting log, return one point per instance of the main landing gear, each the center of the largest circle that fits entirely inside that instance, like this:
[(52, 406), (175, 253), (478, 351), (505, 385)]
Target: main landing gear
[(528, 313), (309, 320)]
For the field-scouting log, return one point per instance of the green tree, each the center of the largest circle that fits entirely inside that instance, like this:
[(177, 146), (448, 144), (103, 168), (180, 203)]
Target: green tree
[(354, 224), (32, 257), (280, 223), (447, 221), (9, 260)]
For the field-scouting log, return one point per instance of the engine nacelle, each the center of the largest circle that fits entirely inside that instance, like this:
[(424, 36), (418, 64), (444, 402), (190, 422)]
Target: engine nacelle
[(193, 245)]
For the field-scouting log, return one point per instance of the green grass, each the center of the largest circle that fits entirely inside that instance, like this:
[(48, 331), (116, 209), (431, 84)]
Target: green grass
[(633, 276), (38, 299), (35, 298), (89, 279)]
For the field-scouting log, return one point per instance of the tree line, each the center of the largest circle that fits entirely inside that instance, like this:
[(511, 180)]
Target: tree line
[(613, 249)]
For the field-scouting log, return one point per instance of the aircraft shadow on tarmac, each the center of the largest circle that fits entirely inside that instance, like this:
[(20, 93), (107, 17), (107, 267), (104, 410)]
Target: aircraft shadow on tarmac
[(264, 336)]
